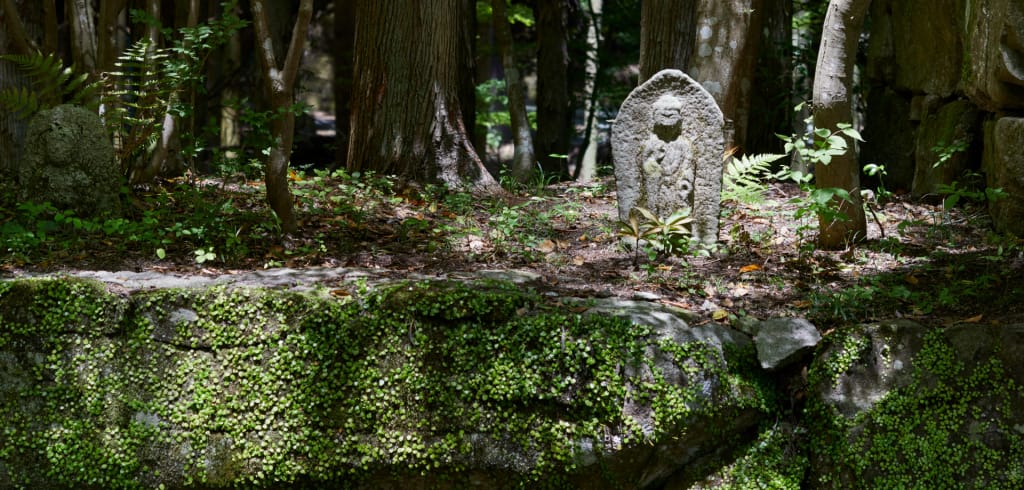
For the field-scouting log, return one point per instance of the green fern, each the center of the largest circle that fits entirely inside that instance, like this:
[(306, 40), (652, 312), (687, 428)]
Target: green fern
[(52, 83), (744, 179), (137, 94)]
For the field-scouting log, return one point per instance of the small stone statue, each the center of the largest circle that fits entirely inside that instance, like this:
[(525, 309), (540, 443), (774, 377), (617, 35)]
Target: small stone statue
[(667, 143), (667, 159)]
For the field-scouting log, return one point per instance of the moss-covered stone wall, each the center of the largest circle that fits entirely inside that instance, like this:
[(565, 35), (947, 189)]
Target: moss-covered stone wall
[(438, 383)]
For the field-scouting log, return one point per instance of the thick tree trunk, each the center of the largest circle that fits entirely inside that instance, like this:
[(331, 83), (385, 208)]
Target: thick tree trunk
[(50, 27), (772, 101), (725, 55), (83, 35), (667, 31), (587, 169), (106, 48), (833, 99), (554, 117), (522, 162), (280, 84), (406, 108)]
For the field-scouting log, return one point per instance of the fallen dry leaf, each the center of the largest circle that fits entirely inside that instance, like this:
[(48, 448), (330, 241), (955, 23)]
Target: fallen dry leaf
[(547, 246)]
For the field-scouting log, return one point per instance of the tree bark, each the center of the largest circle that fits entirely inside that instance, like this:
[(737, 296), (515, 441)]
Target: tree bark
[(724, 58), (772, 100), (667, 32), (406, 108), (280, 87), (833, 86), (522, 162), (106, 49), (344, 40), (554, 116), (83, 36), (588, 163), (23, 44)]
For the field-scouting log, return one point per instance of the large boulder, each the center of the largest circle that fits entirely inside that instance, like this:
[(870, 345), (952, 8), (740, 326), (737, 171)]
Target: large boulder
[(901, 405), (409, 385), (1003, 163), (945, 142), (994, 65), (69, 161), (916, 45)]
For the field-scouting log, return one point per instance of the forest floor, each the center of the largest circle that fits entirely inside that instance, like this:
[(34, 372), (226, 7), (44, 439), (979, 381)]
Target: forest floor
[(920, 261)]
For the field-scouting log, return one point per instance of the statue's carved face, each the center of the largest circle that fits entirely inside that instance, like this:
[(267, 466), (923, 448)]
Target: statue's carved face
[(667, 111)]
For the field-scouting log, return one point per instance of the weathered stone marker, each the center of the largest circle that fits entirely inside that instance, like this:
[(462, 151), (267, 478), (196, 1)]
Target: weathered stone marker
[(667, 146)]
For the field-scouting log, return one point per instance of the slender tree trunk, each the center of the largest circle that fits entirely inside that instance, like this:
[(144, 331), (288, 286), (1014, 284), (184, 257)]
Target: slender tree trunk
[(833, 99), (406, 107), (230, 126), (667, 31), (554, 117), (587, 169), (280, 85), (522, 162), (344, 43)]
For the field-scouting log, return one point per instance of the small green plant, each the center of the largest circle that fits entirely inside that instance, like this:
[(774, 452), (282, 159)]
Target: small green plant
[(818, 147), (945, 152), (670, 236)]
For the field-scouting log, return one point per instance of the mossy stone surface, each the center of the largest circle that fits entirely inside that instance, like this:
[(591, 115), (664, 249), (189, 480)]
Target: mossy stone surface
[(433, 384)]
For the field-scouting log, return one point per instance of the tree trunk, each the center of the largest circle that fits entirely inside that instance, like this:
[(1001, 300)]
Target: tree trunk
[(83, 36), (228, 71), (833, 99), (406, 113), (23, 44), (522, 162), (50, 27), (724, 58), (667, 31), (106, 49), (772, 102), (280, 86), (587, 169), (344, 39), (554, 116)]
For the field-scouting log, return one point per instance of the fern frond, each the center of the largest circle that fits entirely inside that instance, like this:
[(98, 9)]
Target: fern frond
[(745, 179), (52, 83), (21, 101)]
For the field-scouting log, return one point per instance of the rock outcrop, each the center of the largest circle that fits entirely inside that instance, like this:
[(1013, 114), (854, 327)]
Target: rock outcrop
[(898, 405)]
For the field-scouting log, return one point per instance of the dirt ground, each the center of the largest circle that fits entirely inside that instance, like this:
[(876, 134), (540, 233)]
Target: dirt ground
[(919, 261)]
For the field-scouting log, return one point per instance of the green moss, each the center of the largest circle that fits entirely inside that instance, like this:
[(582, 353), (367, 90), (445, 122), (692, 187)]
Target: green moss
[(945, 430), (257, 387)]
